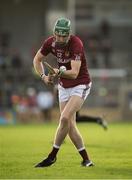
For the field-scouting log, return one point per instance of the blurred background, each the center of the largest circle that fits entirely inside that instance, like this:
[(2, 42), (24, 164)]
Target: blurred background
[(105, 28)]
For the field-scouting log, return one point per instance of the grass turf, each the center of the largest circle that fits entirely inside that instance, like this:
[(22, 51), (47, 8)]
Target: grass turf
[(21, 147)]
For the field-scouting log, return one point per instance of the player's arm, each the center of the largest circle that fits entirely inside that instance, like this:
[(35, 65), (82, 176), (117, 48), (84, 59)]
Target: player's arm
[(73, 72), (38, 65), (39, 68)]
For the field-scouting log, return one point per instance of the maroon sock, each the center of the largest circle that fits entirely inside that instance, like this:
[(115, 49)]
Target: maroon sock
[(84, 154), (53, 153)]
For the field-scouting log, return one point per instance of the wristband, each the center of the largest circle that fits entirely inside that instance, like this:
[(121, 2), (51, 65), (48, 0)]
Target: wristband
[(42, 75)]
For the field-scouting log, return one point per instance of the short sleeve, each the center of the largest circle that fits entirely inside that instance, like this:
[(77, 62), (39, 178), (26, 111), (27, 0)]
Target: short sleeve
[(77, 50), (46, 47)]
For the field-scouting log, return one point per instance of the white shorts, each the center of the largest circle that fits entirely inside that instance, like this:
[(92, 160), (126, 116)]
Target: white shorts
[(80, 90)]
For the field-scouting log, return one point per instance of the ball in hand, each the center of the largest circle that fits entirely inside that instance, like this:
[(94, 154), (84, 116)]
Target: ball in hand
[(62, 68)]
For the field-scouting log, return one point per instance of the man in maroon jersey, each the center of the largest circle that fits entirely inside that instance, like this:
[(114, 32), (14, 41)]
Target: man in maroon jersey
[(74, 85)]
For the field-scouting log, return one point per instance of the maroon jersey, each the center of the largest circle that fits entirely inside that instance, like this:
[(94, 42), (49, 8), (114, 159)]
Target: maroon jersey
[(73, 50)]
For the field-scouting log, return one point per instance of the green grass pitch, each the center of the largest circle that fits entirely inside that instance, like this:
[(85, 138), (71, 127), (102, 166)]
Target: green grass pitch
[(22, 146)]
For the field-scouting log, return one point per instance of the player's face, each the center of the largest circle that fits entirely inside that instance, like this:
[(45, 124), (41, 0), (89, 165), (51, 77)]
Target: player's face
[(61, 40)]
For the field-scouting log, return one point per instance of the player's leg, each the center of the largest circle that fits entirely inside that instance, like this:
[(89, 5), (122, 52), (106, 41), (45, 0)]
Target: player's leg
[(101, 121), (60, 134), (85, 118), (75, 135), (77, 139), (66, 114), (63, 126), (67, 111), (52, 155), (91, 119)]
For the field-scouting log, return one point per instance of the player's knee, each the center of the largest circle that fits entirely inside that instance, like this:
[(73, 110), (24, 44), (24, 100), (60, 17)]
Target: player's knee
[(65, 121)]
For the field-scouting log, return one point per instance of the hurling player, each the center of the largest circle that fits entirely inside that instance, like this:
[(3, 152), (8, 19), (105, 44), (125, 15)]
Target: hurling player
[(73, 86)]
